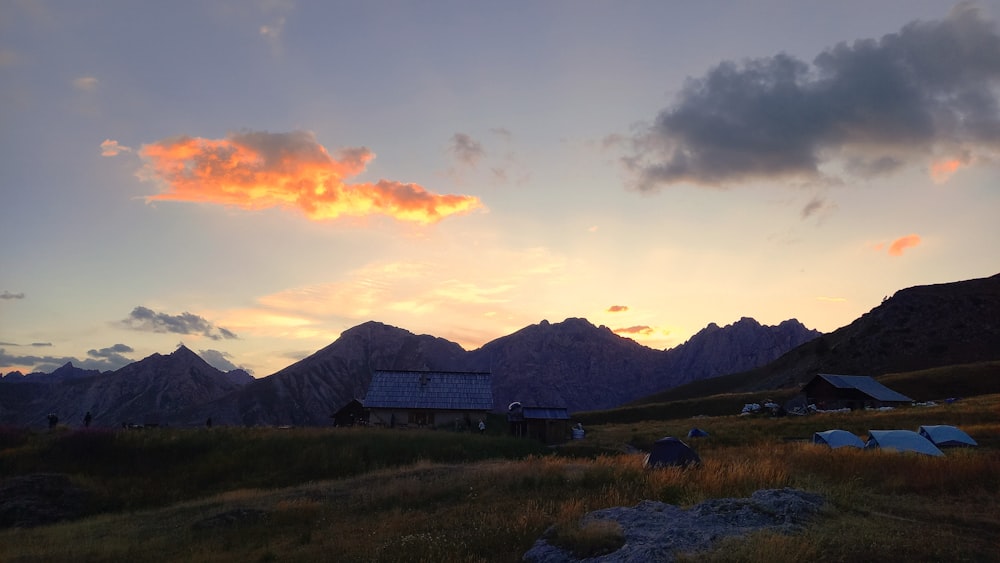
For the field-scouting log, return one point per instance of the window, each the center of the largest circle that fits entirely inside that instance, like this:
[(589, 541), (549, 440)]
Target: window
[(421, 418)]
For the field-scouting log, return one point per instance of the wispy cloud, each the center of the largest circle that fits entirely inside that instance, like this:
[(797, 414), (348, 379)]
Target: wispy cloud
[(104, 359), (8, 295), (110, 147), (617, 308), (145, 319), (874, 105), (640, 330), (465, 149), (85, 83), (817, 206), (898, 246), (258, 170), (942, 170)]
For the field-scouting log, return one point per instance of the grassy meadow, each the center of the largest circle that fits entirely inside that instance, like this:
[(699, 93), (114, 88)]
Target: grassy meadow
[(248, 495)]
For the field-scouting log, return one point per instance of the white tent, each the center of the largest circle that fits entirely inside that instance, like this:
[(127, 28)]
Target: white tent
[(944, 436), (902, 441), (837, 439)]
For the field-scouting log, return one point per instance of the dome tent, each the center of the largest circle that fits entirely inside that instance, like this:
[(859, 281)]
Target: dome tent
[(944, 436), (837, 439), (670, 451), (697, 433), (902, 441)]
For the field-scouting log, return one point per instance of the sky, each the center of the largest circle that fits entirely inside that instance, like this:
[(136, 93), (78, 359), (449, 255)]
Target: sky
[(252, 178)]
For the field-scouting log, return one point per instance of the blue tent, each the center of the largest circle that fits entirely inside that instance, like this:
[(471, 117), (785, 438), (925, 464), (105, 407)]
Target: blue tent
[(944, 436), (671, 451), (902, 441), (697, 433), (837, 439)]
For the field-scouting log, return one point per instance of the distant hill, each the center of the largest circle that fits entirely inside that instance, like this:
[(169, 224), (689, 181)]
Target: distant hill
[(150, 391), (918, 328)]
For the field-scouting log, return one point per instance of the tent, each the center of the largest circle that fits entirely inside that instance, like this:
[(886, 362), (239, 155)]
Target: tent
[(944, 436), (671, 452), (901, 440), (697, 433), (837, 439)]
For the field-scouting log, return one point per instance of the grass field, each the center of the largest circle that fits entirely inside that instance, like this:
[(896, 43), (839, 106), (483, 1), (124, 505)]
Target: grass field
[(375, 495)]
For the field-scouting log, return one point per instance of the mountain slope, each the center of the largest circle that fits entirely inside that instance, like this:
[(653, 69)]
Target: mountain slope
[(309, 391), (917, 328)]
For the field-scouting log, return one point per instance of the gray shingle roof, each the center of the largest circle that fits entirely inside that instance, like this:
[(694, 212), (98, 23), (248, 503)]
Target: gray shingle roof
[(866, 385), (441, 390)]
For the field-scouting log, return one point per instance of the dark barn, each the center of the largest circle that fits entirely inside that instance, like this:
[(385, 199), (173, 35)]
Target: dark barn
[(829, 392), (351, 414), (548, 424)]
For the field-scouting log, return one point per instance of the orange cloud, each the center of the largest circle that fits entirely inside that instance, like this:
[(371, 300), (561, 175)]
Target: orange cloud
[(111, 147), (617, 308), (899, 245), (259, 170), (644, 330), (942, 170)]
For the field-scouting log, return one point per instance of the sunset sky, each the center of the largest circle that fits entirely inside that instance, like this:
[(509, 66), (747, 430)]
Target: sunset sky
[(252, 178)]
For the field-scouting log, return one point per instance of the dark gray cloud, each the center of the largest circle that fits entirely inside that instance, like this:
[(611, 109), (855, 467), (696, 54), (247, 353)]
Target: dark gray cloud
[(41, 344), (220, 360), (466, 149), (112, 354), (8, 295), (813, 206), (143, 318), (105, 359), (871, 105)]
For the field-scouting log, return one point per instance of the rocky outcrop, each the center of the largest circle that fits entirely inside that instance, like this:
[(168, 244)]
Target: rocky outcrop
[(742, 345), (654, 532)]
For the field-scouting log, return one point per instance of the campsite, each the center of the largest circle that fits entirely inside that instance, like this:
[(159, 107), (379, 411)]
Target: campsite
[(368, 494)]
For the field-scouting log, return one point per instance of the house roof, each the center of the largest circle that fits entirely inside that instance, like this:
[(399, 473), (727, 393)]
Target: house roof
[(548, 413), (866, 385), (441, 390)]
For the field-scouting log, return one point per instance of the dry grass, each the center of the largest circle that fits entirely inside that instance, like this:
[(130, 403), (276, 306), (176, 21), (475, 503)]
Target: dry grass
[(881, 506)]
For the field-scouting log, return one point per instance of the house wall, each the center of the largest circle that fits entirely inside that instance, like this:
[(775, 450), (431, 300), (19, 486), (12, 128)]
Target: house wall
[(425, 418), (548, 431)]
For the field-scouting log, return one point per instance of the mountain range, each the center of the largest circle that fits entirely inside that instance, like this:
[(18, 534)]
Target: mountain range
[(917, 328), (571, 363)]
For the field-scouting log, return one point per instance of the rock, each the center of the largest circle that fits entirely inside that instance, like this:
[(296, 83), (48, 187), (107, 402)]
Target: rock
[(655, 531)]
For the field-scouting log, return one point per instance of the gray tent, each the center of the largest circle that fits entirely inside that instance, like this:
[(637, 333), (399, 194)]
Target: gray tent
[(901, 441), (671, 451), (837, 439), (944, 436)]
